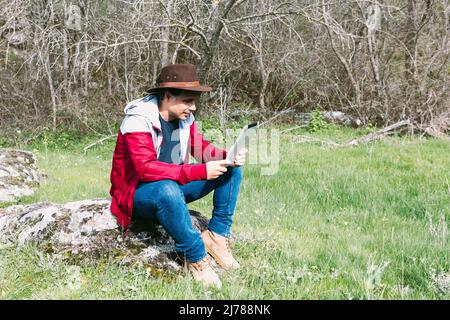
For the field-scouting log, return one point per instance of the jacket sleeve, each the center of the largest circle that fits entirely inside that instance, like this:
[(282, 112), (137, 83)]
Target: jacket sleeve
[(144, 157), (203, 150)]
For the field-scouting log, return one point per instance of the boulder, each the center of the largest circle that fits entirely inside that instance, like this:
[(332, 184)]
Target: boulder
[(341, 118), (87, 231), (19, 175)]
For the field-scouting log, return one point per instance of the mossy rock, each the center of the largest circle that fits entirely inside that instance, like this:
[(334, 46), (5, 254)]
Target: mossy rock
[(86, 231), (19, 175)]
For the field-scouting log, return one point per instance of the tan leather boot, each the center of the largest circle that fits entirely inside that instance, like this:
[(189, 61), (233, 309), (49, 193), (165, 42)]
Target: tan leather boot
[(203, 272), (219, 248)]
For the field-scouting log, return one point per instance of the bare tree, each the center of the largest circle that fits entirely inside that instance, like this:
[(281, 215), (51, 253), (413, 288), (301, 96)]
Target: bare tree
[(69, 63)]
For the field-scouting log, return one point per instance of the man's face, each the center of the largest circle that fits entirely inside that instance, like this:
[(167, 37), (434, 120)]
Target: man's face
[(181, 106)]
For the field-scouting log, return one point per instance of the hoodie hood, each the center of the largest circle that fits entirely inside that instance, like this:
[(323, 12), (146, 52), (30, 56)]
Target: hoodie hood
[(147, 107), (142, 115)]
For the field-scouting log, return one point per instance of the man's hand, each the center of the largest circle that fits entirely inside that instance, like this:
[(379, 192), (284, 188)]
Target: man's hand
[(215, 169), (239, 160)]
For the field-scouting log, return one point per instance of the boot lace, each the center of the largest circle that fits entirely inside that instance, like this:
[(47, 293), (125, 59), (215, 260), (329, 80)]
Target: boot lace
[(228, 244), (202, 264)]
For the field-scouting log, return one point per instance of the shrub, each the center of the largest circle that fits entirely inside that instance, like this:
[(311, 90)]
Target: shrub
[(317, 122)]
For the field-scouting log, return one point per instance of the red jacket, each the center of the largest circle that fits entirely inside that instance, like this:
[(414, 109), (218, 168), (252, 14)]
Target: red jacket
[(135, 160)]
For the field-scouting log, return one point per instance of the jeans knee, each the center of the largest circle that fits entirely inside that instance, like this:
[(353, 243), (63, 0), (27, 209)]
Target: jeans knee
[(237, 174), (169, 192)]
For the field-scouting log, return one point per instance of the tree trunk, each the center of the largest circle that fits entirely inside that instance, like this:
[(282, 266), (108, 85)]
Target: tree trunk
[(222, 12), (165, 33), (52, 90), (66, 65), (410, 43)]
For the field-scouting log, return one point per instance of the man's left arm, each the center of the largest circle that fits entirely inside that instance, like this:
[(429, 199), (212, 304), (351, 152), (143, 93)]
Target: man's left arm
[(203, 150)]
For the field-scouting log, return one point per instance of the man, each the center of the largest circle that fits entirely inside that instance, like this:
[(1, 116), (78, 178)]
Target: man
[(151, 176)]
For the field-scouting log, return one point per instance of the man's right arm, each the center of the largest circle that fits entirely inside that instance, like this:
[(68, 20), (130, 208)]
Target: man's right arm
[(144, 157)]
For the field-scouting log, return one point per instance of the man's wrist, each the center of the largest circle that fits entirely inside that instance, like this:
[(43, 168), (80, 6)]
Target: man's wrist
[(199, 172)]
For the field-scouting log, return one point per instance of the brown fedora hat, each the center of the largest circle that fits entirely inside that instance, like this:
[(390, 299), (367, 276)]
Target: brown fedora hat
[(179, 76)]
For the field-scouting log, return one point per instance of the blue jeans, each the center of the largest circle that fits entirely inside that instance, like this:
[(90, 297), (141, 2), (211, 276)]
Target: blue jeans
[(166, 201)]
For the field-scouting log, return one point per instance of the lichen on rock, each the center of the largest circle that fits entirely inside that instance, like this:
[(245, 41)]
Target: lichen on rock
[(19, 175), (87, 231)]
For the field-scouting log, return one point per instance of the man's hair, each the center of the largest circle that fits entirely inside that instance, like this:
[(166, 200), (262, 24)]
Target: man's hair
[(172, 92)]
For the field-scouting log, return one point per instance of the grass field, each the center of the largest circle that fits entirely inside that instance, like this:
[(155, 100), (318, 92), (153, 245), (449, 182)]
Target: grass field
[(366, 222)]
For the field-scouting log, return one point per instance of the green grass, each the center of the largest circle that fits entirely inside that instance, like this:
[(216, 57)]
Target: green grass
[(334, 223)]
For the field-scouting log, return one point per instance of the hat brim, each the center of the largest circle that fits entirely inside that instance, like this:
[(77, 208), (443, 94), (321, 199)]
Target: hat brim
[(194, 89)]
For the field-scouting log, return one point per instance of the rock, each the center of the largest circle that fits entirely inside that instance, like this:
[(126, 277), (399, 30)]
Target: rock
[(337, 117), (341, 118), (87, 231), (303, 117), (18, 174), (441, 282)]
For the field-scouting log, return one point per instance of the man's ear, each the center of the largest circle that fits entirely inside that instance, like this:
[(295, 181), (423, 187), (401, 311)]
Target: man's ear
[(166, 95), (169, 96)]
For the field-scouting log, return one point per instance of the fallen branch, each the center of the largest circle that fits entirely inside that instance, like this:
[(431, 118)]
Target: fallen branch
[(85, 149), (381, 133), (438, 127), (434, 129), (435, 133), (276, 116), (293, 128), (306, 139)]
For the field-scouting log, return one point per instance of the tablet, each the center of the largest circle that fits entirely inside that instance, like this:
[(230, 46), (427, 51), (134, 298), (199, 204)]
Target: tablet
[(247, 131)]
